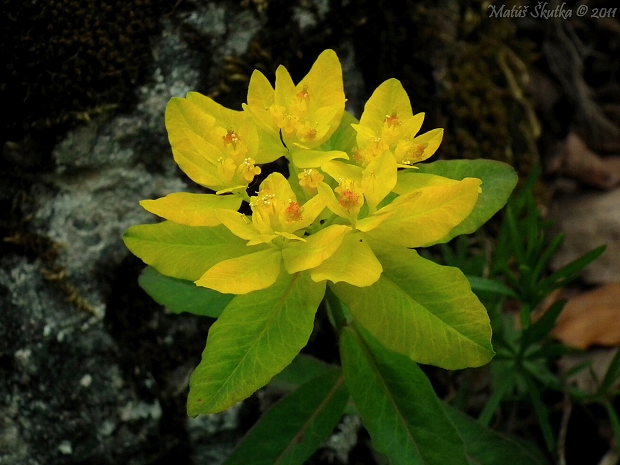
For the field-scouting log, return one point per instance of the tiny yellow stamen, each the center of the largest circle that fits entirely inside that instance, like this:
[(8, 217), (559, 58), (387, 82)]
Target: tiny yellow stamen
[(247, 170), (310, 178)]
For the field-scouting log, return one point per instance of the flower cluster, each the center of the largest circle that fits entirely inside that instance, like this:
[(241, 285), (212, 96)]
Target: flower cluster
[(354, 206), (345, 194)]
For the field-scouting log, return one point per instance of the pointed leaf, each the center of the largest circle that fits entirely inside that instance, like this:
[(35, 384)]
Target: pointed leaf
[(191, 209), (498, 181), (178, 295), (344, 137), (256, 337), (353, 263), (180, 251), (315, 158), (487, 447), (379, 179), (411, 180), (244, 274), (544, 325), (389, 98), (489, 285), (426, 215), (301, 370), (295, 427), (569, 271), (299, 256), (423, 310), (404, 417)]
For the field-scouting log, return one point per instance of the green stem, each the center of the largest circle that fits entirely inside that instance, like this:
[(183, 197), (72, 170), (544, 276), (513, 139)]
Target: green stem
[(243, 194)]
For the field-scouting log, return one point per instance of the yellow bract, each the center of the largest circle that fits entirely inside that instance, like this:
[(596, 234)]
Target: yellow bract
[(306, 114), (388, 124), (216, 147), (330, 221)]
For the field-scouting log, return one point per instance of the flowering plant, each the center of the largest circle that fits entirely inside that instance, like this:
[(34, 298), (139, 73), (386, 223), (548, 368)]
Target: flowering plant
[(342, 227)]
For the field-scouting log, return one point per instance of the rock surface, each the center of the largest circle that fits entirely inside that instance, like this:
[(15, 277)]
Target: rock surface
[(91, 370), (589, 221), (73, 390)]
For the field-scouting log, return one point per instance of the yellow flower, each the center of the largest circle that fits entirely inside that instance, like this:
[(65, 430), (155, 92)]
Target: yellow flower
[(388, 124), (306, 114), (216, 147), (279, 222), (421, 215)]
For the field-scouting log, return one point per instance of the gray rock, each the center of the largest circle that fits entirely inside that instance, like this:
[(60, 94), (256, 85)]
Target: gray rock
[(48, 414), (64, 396), (71, 389), (590, 221)]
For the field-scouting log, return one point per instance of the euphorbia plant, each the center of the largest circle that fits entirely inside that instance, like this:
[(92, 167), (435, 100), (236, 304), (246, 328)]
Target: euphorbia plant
[(343, 227)]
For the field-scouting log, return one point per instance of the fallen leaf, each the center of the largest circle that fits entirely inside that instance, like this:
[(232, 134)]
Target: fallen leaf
[(589, 221), (574, 159), (592, 318)]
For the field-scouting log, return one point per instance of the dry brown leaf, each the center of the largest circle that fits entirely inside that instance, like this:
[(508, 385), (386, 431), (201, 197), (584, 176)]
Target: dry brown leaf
[(592, 318), (589, 221), (574, 159)]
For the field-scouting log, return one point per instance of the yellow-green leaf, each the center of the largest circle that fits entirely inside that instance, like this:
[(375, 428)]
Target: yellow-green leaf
[(354, 262), (432, 140), (423, 310), (260, 98), (244, 274), (315, 158), (344, 138), (299, 256), (428, 214), (180, 251), (339, 170), (409, 181), (379, 179), (255, 338), (498, 181), (388, 98), (238, 223), (191, 209)]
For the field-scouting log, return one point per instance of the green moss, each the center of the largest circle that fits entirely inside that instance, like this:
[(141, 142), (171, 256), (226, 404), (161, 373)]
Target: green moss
[(484, 86), (67, 58)]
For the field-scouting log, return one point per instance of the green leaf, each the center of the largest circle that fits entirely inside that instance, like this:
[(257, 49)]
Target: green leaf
[(423, 310), (490, 285), (487, 447), (611, 376), (256, 337), (568, 272), (498, 181), (302, 369), (183, 252), (542, 413), (179, 296), (503, 385), (344, 138), (404, 417), (295, 427), (544, 325)]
